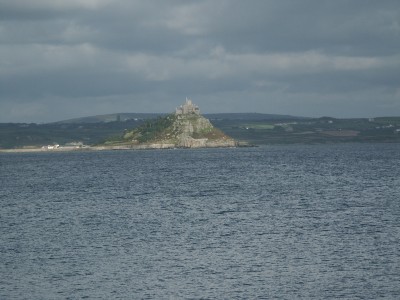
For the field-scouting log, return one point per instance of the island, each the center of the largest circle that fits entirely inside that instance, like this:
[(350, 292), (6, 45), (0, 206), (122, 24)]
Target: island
[(186, 128)]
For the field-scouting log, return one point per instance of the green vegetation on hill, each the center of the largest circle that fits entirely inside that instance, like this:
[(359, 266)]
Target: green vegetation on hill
[(152, 130), (148, 131)]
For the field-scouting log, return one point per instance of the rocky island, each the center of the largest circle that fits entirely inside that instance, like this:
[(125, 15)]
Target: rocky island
[(186, 128)]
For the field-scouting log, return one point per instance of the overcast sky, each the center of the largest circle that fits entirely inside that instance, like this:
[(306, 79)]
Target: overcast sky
[(62, 59)]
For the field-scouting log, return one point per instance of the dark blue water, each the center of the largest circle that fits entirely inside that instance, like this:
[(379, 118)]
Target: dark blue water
[(281, 222)]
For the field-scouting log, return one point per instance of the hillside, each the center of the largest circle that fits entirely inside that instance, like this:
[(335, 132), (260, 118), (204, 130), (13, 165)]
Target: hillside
[(108, 118), (313, 131)]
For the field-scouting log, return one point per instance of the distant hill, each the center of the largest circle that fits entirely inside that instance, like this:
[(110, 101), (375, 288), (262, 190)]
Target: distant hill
[(117, 117), (121, 117), (251, 117)]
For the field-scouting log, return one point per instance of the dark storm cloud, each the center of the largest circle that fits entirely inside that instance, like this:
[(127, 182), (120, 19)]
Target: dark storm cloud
[(61, 59)]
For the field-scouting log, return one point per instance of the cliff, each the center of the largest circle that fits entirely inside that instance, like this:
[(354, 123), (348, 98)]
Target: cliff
[(184, 129)]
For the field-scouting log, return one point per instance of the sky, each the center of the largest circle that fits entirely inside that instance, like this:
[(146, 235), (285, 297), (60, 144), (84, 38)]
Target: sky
[(63, 59)]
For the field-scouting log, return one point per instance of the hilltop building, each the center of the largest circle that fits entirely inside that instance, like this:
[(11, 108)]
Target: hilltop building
[(187, 108)]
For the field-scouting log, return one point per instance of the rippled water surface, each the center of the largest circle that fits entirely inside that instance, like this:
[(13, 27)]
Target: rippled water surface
[(281, 222)]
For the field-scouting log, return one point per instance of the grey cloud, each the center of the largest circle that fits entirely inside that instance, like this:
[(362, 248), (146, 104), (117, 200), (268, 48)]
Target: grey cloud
[(331, 26), (103, 56)]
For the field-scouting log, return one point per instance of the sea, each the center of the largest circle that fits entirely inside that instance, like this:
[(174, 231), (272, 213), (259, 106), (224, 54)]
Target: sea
[(270, 222)]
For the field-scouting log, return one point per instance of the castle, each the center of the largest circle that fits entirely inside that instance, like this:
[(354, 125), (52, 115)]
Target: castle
[(187, 108)]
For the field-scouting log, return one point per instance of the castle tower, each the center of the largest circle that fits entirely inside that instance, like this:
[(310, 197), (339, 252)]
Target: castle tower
[(187, 108)]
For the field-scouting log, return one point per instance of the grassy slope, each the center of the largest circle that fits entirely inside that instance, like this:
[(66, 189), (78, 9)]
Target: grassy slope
[(149, 131)]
